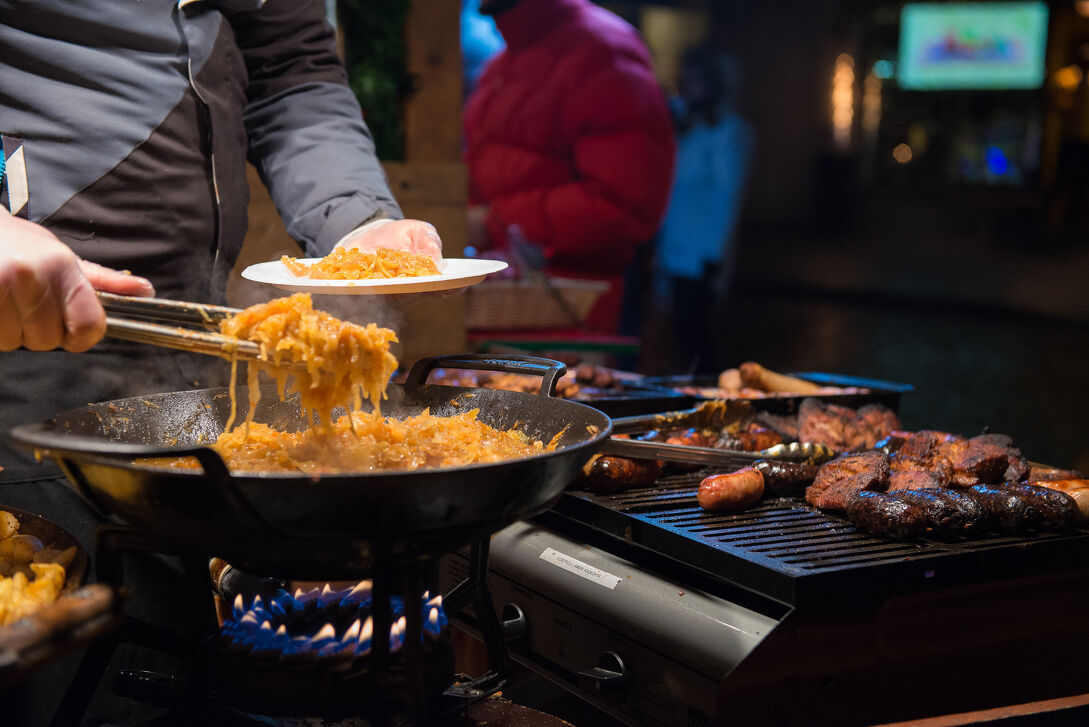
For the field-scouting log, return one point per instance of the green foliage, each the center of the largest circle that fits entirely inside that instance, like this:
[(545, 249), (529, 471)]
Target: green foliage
[(374, 49)]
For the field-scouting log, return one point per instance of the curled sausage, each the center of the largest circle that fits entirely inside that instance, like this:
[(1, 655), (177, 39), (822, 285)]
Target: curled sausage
[(614, 474), (784, 479), (733, 491)]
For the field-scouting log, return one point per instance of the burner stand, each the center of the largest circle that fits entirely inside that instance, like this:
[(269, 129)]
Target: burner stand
[(403, 685)]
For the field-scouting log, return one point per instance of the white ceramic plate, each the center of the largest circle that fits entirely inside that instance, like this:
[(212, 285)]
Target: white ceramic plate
[(456, 273)]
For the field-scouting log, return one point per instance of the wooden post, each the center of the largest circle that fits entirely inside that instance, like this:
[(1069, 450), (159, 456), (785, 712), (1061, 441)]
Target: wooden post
[(429, 185), (432, 184)]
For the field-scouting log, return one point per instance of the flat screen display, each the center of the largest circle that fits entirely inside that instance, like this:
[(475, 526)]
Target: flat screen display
[(993, 45)]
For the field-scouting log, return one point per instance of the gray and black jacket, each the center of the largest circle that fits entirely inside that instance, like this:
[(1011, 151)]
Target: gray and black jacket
[(126, 127), (129, 123)]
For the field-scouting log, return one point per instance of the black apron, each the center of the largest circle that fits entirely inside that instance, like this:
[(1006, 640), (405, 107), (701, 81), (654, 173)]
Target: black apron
[(156, 214)]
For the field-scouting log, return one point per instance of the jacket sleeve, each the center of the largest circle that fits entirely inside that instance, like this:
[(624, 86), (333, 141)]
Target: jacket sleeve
[(623, 155), (306, 132)]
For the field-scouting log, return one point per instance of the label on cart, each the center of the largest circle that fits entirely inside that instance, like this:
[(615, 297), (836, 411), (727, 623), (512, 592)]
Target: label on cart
[(579, 568)]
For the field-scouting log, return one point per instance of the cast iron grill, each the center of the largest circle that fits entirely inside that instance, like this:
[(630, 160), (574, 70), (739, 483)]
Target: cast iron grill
[(786, 550)]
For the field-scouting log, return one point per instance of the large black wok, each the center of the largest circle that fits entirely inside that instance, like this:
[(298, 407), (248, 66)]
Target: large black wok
[(335, 526)]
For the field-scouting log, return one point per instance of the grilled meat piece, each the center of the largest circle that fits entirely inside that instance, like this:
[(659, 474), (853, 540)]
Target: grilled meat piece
[(886, 515), (1014, 507), (919, 464), (785, 479), (983, 460), (613, 474), (893, 442), (842, 428), (595, 376), (845, 475), (787, 426), (690, 437), (755, 437), (823, 424), (913, 480), (874, 422)]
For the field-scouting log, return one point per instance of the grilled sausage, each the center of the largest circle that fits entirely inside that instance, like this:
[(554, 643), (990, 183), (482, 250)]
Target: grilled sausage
[(733, 491), (975, 517), (614, 474), (1077, 489), (886, 515), (758, 377), (1015, 507), (785, 479), (944, 518)]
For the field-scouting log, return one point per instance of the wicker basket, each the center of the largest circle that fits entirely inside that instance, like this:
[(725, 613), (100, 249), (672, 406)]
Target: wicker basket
[(512, 304)]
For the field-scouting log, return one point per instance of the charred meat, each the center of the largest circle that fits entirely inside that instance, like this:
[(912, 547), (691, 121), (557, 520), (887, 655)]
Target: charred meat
[(842, 428), (846, 475), (988, 458), (919, 464)]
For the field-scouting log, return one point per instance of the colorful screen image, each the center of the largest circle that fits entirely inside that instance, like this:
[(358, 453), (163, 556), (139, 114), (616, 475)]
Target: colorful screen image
[(997, 45)]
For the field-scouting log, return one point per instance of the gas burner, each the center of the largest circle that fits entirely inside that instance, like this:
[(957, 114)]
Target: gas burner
[(323, 627), (315, 654)]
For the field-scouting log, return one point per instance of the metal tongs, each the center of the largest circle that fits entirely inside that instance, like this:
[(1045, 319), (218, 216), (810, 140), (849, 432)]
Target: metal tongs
[(143, 320)]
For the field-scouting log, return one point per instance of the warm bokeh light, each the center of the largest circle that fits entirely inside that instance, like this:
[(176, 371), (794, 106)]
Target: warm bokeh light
[(1082, 8), (1067, 78), (843, 101), (902, 153)]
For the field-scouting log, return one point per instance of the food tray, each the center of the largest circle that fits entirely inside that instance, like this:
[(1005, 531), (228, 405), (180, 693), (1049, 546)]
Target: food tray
[(887, 393), (80, 614)]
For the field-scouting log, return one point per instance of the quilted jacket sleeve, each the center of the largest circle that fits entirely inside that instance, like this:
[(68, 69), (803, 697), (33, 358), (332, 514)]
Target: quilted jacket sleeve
[(306, 131), (623, 155)]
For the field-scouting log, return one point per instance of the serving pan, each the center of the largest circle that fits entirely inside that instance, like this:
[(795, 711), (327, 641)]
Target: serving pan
[(330, 526)]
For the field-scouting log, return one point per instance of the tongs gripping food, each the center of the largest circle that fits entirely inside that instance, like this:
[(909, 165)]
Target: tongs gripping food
[(135, 322)]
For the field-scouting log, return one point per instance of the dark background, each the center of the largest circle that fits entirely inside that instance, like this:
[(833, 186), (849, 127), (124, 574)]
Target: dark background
[(976, 292)]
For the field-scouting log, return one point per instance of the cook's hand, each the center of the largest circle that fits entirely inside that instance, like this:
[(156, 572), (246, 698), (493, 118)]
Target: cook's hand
[(411, 235), (47, 294)]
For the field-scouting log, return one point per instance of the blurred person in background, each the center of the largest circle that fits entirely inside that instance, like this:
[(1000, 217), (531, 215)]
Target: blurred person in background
[(569, 145), (480, 41), (695, 252)]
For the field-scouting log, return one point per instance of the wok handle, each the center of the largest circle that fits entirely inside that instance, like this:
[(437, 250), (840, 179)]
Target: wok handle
[(39, 436), (217, 481), (548, 369)]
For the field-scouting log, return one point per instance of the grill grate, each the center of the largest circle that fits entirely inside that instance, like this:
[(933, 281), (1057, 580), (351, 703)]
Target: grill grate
[(789, 551)]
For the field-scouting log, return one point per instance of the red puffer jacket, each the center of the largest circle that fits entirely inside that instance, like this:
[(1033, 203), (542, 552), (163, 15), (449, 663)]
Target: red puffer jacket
[(568, 137)]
